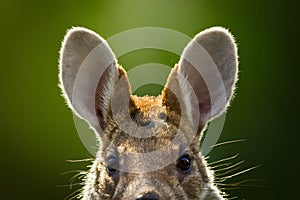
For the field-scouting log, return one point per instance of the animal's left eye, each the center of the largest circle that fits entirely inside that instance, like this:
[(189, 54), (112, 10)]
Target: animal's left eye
[(184, 163), (112, 165)]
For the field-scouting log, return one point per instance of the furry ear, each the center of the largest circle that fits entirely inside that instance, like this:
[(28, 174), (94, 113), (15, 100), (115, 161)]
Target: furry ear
[(88, 74), (205, 77)]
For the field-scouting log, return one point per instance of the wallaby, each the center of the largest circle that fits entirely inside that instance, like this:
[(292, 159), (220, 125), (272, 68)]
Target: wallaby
[(149, 146)]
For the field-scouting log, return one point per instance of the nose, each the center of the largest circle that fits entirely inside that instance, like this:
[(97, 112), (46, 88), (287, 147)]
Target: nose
[(148, 196)]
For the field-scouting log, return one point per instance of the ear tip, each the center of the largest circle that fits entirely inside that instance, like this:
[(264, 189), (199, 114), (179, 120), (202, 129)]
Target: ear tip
[(81, 33), (79, 38), (78, 30), (216, 33), (218, 30)]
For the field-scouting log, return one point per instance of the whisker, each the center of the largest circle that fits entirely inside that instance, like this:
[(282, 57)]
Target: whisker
[(239, 173), (72, 171), (221, 165), (76, 176), (224, 159), (241, 183), (78, 179), (206, 157), (245, 181), (227, 142), (73, 194), (74, 184), (232, 198), (81, 160), (232, 166), (227, 172), (232, 188), (256, 186)]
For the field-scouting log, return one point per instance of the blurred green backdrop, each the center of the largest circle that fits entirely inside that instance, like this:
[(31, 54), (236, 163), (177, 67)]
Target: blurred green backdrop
[(38, 133)]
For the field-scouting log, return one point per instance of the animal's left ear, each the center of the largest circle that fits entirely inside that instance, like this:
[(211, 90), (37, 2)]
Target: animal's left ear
[(205, 77)]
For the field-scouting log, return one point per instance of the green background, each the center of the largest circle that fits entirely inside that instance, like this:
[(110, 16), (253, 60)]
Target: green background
[(37, 129)]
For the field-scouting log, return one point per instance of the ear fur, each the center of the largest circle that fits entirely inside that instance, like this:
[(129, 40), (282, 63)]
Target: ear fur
[(88, 74), (206, 76)]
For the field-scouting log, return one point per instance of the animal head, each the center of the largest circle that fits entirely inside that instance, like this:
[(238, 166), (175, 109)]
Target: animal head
[(149, 146)]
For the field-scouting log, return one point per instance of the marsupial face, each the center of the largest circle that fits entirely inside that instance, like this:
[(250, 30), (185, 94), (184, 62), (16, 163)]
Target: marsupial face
[(149, 146)]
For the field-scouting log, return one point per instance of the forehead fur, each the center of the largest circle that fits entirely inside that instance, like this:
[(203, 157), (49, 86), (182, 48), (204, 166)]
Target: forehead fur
[(155, 128)]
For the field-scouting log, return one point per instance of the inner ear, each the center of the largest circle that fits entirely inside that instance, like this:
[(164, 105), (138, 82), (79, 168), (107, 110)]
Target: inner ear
[(196, 95), (108, 90), (103, 96), (170, 97)]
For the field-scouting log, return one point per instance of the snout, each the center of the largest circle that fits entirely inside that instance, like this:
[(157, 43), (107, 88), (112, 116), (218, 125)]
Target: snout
[(148, 196)]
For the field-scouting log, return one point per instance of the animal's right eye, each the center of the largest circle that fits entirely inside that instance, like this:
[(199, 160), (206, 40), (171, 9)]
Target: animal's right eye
[(112, 165)]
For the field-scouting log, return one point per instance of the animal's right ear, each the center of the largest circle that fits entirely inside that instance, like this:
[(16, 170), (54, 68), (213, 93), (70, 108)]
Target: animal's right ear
[(88, 75)]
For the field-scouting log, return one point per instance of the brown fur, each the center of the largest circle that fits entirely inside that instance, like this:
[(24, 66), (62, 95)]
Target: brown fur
[(130, 128), (168, 183)]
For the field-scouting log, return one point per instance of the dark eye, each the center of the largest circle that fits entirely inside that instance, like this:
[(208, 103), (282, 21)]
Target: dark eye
[(112, 165), (184, 163)]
